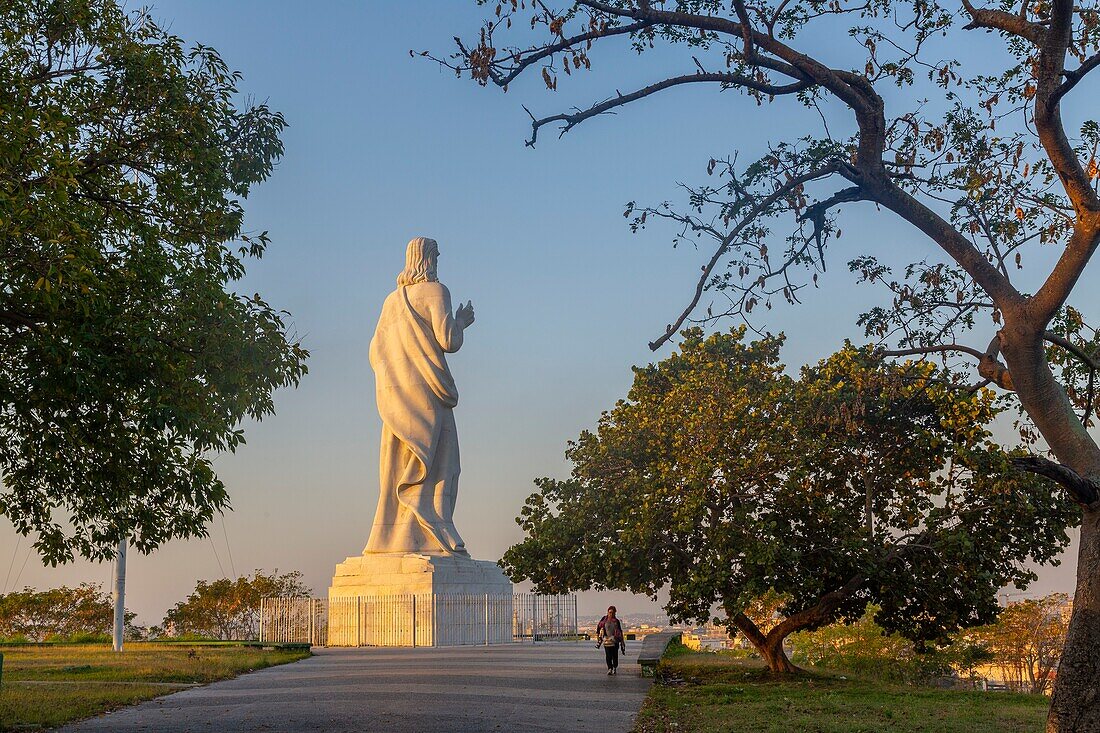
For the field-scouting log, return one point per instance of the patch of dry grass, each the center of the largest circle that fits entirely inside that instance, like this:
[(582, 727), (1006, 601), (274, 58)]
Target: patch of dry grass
[(711, 693), (50, 685)]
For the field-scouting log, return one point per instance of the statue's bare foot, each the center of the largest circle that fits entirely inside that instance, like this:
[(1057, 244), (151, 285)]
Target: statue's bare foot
[(450, 538), (456, 539)]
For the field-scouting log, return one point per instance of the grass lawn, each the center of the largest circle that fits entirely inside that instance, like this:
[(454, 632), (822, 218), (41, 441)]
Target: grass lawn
[(720, 693), (49, 685)]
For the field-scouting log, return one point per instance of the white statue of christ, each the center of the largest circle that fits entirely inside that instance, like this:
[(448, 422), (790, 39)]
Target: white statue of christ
[(419, 466)]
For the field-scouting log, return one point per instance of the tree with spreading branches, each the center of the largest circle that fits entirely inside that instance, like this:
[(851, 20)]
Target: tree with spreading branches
[(127, 356), (724, 480), (1026, 641), (60, 613), (230, 609), (980, 163)]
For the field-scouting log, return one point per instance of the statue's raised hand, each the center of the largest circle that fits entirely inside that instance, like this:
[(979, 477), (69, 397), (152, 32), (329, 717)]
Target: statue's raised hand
[(465, 314)]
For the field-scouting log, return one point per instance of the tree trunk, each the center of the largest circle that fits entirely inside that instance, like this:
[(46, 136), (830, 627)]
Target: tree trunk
[(769, 646), (1075, 704), (775, 656)]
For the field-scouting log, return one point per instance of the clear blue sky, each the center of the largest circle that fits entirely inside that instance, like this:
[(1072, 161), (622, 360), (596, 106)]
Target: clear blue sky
[(382, 147)]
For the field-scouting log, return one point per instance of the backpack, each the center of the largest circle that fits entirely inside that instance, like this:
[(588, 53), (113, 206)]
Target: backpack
[(613, 631)]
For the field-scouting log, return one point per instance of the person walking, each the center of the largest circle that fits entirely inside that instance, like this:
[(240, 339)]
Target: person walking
[(609, 635)]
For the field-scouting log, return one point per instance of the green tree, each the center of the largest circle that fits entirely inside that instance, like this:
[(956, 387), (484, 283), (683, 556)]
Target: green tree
[(722, 479), (765, 611), (230, 609), (126, 359), (60, 613), (1027, 640), (972, 151), (865, 648)]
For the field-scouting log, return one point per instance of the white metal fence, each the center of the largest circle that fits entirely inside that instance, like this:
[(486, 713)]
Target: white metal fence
[(418, 620), (543, 617), (294, 620)]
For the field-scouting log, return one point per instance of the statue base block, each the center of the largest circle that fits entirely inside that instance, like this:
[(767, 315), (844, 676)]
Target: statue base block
[(385, 574), (412, 599)]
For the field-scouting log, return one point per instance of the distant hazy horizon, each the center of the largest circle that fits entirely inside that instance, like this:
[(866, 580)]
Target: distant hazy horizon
[(383, 147)]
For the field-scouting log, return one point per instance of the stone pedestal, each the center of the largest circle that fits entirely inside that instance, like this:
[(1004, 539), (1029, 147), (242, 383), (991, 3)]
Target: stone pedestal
[(411, 599), (386, 574)]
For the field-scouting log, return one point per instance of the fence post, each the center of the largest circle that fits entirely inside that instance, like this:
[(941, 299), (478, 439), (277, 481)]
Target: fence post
[(261, 632), (358, 621), (414, 620)]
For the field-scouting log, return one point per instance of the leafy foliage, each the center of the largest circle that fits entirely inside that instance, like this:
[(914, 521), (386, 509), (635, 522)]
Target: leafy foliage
[(1026, 641), (864, 648), (765, 611), (723, 479), (126, 358), (230, 609), (64, 613)]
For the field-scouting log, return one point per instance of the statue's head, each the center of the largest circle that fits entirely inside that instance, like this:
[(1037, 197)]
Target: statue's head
[(421, 257)]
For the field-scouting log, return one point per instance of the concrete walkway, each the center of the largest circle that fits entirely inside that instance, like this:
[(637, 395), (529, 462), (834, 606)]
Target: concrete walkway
[(560, 687)]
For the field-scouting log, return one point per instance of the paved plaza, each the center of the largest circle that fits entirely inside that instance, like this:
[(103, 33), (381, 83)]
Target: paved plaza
[(543, 687)]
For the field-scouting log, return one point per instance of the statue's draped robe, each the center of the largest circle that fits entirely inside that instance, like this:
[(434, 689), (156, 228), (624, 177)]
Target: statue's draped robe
[(419, 465)]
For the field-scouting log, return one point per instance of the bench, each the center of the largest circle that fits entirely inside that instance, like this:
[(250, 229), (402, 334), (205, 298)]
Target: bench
[(653, 648), (280, 646)]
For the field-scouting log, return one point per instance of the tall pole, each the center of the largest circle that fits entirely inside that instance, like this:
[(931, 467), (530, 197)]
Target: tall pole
[(119, 595)]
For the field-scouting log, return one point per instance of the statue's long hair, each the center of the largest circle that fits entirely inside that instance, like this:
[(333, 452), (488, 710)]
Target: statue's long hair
[(420, 259)]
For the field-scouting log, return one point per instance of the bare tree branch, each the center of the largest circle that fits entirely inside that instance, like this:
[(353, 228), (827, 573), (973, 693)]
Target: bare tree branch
[(732, 79), (1000, 20), (823, 612), (1084, 491), (1052, 294), (1089, 360), (852, 89), (857, 93), (935, 349), (534, 56), (816, 212), (958, 247), (990, 368), (1073, 77), (14, 319), (728, 240)]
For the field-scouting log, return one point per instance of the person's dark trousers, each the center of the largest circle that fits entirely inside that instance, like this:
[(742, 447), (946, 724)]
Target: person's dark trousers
[(612, 654)]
